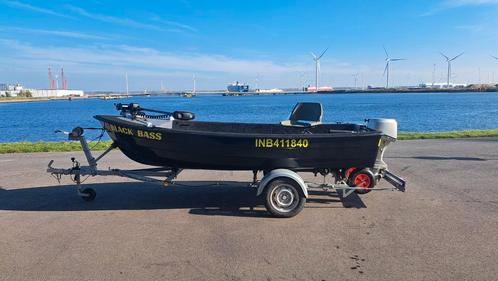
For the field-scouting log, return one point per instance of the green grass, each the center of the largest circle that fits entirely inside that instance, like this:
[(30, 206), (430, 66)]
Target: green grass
[(447, 135), (25, 147)]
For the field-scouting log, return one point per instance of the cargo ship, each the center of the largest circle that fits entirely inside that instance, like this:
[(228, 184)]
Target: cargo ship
[(238, 88)]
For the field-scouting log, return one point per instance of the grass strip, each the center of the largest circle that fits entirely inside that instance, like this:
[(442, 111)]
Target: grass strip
[(41, 146), (447, 135)]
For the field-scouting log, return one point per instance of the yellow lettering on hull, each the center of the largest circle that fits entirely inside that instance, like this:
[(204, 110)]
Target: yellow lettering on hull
[(281, 143), (130, 132)]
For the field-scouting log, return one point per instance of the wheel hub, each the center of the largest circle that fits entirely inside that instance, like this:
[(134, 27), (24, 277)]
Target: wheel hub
[(362, 181), (284, 198)]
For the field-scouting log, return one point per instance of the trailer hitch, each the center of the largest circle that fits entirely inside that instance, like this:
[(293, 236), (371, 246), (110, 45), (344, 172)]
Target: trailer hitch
[(77, 170)]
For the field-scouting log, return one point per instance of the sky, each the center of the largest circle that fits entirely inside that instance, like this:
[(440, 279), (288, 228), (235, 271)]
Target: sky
[(266, 44)]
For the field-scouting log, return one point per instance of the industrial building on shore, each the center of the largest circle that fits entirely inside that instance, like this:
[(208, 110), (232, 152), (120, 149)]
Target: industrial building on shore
[(18, 90)]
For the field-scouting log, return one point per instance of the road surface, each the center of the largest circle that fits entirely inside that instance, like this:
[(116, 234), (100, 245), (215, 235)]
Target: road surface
[(443, 228)]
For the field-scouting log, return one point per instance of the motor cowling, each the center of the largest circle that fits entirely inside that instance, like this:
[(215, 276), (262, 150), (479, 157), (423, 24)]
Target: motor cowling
[(389, 127)]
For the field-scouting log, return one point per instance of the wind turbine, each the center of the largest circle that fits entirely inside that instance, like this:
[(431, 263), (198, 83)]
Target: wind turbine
[(496, 58), (433, 74), (317, 66), (388, 65), (193, 80), (448, 60), (355, 76), (493, 79), (126, 78)]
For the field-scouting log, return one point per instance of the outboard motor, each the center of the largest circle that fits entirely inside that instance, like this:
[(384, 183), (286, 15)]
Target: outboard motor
[(387, 126)]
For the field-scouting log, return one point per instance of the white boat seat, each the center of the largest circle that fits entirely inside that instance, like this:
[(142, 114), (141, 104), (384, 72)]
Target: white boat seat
[(305, 114)]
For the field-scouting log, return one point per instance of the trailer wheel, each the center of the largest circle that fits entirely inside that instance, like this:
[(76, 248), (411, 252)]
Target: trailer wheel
[(283, 198), (88, 194), (364, 179), (347, 172)]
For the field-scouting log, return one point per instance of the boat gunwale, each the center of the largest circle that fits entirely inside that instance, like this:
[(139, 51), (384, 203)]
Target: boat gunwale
[(235, 134)]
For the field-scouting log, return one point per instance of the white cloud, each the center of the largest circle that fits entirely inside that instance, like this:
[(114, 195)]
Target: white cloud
[(102, 66), (60, 33), (173, 23), (28, 7), (472, 27), (457, 3), (126, 21), (110, 58), (158, 25), (93, 62), (451, 4)]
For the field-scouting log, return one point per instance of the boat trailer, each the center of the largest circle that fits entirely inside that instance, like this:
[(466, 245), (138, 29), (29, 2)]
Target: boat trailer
[(280, 186)]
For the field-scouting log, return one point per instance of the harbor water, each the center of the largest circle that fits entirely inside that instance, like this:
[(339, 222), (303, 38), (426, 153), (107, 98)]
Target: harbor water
[(415, 112)]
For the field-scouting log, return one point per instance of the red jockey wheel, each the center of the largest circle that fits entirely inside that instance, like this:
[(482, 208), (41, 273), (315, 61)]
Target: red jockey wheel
[(364, 179)]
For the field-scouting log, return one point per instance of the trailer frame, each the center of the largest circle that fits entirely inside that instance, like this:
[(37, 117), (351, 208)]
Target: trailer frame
[(295, 185)]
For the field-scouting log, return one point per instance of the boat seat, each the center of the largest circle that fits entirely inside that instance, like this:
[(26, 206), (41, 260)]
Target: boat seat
[(305, 114)]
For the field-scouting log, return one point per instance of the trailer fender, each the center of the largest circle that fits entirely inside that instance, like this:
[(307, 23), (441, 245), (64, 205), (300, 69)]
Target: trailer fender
[(282, 173)]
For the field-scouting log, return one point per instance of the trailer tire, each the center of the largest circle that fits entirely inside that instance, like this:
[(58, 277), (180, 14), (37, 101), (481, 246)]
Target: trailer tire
[(283, 198), (364, 178)]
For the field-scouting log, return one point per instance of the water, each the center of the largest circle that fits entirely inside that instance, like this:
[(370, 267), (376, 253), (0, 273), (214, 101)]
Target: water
[(36, 121)]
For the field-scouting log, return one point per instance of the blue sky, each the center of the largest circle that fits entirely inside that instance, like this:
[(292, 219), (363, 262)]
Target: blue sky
[(264, 42)]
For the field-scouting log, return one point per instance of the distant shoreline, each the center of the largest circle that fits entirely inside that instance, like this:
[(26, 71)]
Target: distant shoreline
[(17, 100), (371, 91), (12, 100), (202, 93)]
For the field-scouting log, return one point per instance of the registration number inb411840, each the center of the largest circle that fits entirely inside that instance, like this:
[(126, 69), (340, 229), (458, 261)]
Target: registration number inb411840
[(281, 143)]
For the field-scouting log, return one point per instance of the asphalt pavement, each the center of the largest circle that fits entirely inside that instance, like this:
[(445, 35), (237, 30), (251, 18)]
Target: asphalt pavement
[(212, 227)]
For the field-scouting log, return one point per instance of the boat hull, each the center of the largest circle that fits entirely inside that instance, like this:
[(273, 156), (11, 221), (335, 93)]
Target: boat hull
[(241, 151)]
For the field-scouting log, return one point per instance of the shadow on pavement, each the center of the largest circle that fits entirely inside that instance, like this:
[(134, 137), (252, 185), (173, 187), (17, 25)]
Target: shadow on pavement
[(230, 199), (326, 199), (459, 158)]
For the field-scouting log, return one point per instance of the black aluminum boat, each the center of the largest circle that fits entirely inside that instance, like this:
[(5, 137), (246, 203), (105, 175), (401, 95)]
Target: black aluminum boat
[(300, 143), (351, 153)]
